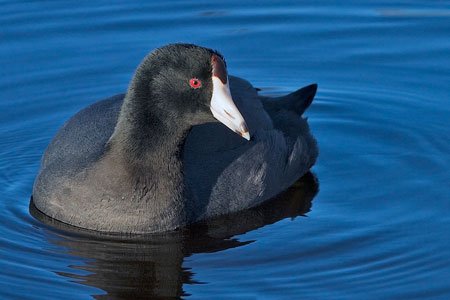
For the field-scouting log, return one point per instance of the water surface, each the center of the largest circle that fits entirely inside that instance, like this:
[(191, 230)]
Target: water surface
[(378, 227)]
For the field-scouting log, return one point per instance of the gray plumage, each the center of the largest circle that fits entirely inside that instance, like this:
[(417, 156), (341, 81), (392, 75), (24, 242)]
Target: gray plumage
[(93, 176)]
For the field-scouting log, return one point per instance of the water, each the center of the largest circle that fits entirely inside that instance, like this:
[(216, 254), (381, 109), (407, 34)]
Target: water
[(378, 227)]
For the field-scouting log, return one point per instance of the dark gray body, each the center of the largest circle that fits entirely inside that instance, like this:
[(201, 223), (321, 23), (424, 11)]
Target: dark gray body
[(81, 184)]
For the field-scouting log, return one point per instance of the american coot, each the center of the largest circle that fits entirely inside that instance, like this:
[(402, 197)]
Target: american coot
[(156, 158)]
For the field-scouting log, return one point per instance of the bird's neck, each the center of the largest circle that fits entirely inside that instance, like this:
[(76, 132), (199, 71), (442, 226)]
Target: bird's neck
[(147, 134), (149, 146)]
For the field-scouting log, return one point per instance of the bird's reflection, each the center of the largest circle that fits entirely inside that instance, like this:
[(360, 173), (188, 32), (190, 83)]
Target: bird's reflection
[(150, 266)]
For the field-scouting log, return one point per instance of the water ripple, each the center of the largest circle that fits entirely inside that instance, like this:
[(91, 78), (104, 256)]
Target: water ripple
[(377, 229)]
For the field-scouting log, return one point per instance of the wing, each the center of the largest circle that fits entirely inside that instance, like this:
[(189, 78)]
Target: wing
[(226, 173), (82, 138), (78, 144)]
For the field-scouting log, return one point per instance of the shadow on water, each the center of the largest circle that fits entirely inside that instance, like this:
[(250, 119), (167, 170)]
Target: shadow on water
[(151, 266)]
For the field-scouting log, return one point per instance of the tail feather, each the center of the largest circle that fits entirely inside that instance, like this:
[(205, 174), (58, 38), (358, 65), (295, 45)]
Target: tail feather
[(297, 101)]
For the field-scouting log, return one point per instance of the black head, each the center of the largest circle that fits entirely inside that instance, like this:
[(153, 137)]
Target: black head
[(186, 83)]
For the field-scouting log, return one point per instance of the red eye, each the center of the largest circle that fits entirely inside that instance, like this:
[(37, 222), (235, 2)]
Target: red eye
[(195, 83)]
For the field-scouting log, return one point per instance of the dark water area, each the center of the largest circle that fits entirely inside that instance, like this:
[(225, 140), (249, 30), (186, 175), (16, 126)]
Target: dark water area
[(370, 222)]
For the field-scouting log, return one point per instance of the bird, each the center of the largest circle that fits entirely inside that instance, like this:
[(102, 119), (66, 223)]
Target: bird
[(186, 142)]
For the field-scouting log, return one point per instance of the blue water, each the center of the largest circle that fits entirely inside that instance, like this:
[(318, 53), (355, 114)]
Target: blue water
[(377, 229)]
